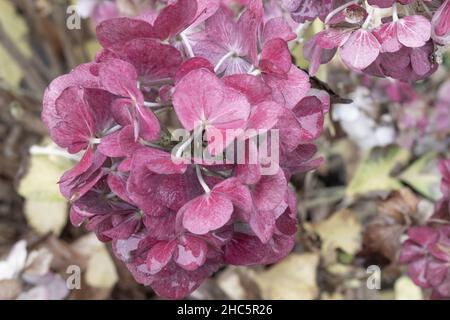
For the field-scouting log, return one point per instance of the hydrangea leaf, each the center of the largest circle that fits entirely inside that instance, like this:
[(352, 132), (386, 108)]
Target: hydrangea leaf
[(374, 172), (40, 183), (423, 176), (341, 231), (294, 278), (46, 216), (101, 272), (45, 207)]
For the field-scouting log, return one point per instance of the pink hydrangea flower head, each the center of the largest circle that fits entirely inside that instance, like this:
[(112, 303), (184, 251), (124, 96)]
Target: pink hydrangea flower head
[(172, 217)]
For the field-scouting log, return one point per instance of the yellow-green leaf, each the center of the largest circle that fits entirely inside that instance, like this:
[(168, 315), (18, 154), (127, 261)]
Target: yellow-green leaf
[(423, 175), (405, 289), (46, 216), (294, 278), (41, 181), (15, 27), (341, 231), (374, 171), (100, 269), (101, 272), (45, 207)]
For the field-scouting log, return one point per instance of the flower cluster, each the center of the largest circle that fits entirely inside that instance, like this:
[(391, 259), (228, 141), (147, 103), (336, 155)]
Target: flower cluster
[(171, 217), (427, 251), (424, 120), (383, 38)]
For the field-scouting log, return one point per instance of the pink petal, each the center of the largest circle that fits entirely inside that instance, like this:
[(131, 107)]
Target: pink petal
[(413, 31), (254, 89), (323, 96), (235, 191), (160, 255), (206, 213), (316, 54), (288, 92), (153, 61), (110, 145), (420, 61), (269, 191), (248, 25), (75, 126), (360, 50), (436, 272), (158, 161), (264, 116), (117, 182), (424, 236), (275, 57), (441, 24), (310, 115), (191, 253), (278, 28), (417, 271), (174, 18), (387, 36), (333, 38), (177, 283), (81, 167), (262, 224), (202, 97), (247, 250), (250, 171), (128, 225), (205, 9), (114, 33), (119, 77), (149, 127), (301, 159), (192, 64), (290, 131)]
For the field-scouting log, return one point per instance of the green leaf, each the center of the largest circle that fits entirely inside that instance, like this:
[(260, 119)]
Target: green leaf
[(424, 177), (374, 172)]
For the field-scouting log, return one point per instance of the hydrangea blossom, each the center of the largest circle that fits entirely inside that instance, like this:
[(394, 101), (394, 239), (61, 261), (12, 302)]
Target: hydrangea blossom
[(171, 218), (399, 45), (427, 249)]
